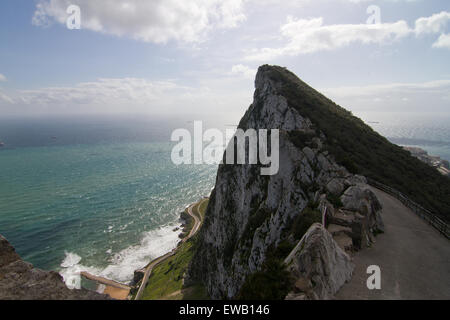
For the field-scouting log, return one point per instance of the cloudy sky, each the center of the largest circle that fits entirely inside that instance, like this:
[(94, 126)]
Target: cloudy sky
[(201, 56)]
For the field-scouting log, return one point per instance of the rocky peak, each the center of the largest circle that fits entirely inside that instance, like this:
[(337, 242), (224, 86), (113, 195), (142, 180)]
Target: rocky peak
[(271, 109), (249, 214)]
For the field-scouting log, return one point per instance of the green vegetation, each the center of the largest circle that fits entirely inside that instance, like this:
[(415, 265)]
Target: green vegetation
[(335, 200), (362, 150), (166, 280), (202, 208), (273, 282), (195, 292), (302, 222)]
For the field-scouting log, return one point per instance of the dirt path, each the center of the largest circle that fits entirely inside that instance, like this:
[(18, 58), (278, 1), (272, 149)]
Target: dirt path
[(414, 259), (154, 263)]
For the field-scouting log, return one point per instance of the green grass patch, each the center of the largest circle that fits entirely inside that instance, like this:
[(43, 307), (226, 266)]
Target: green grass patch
[(166, 280), (167, 277), (202, 208)]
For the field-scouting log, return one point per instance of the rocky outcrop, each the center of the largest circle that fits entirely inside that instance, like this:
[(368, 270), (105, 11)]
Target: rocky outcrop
[(19, 280), (319, 265), (249, 213)]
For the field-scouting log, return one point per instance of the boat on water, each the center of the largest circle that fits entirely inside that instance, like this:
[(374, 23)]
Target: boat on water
[(2, 144)]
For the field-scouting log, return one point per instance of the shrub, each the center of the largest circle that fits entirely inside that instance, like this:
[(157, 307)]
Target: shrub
[(304, 221), (273, 282), (335, 200)]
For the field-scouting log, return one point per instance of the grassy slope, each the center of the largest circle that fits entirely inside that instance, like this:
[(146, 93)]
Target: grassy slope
[(166, 281), (362, 150)]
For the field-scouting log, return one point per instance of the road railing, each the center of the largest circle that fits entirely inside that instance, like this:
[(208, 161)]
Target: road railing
[(436, 222)]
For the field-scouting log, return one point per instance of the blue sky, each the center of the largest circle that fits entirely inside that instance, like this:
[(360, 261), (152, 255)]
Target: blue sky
[(198, 56)]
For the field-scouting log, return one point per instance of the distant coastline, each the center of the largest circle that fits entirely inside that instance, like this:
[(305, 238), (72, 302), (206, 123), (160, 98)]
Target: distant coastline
[(443, 166)]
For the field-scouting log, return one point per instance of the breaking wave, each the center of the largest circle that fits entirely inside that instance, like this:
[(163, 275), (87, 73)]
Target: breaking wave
[(122, 264)]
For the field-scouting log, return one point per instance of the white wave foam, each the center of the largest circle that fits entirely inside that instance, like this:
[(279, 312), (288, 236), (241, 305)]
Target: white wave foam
[(71, 269), (123, 264), (70, 260)]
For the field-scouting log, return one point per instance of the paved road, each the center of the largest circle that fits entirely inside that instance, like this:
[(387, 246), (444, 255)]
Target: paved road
[(414, 259), (154, 263), (197, 221)]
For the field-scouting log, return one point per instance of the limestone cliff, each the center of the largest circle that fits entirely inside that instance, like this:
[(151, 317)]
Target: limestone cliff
[(249, 213), (19, 280)]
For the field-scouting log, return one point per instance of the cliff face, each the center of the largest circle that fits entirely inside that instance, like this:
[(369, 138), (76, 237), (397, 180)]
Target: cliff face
[(249, 213), (20, 281)]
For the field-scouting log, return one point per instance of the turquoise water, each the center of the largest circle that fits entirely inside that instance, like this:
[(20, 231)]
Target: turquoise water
[(106, 207)]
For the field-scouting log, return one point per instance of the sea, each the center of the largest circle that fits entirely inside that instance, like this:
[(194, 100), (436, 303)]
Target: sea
[(428, 131), (101, 194), (95, 194)]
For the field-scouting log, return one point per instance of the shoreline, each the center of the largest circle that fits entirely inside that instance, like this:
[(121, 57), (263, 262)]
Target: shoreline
[(121, 291), (149, 268), (441, 165)]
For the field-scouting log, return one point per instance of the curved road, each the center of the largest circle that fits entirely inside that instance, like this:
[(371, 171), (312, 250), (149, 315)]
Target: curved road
[(414, 259), (154, 263), (197, 221)]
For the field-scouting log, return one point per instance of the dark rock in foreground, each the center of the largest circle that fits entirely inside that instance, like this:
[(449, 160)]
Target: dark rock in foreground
[(19, 280)]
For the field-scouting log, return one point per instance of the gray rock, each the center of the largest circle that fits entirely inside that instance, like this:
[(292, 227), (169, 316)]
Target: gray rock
[(296, 296), (319, 258), (361, 199), (357, 179), (335, 186), (364, 210)]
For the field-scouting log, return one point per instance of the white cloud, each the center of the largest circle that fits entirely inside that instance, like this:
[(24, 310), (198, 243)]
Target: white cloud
[(393, 96), (2, 78), (5, 98), (125, 95), (359, 1), (433, 24), (442, 42), (362, 1), (311, 35), (245, 71), (381, 89), (115, 94), (157, 21)]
